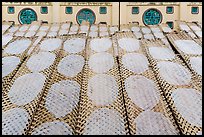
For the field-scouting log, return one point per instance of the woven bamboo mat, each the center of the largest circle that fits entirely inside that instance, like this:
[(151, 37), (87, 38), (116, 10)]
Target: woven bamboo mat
[(24, 92), (101, 103), (133, 73), (186, 54), (5, 26), (171, 94), (65, 88)]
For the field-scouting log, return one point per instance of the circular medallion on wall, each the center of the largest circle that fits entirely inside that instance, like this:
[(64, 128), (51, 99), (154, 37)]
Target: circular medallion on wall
[(27, 16), (87, 15), (152, 17)]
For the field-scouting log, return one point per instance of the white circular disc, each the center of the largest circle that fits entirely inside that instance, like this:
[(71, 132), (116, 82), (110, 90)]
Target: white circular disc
[(155, 29), (161, 53), (74, 28), (18, 46), (14, 121), (23, 28), (102, 89), (103, 33), (54, 28), (188, 103), (26, 88), (13, 29), (199, 33), (104, 121), (53, 128), (146, 30), (153, 123), (135, 62), (113, 29), (167, 29), (74, 45), (44, 28), (135, 29), (184, 27), (65, 26), (63, 32), (189, 47), (19, 33), (34, 28), (196, 63), (101, 62), (93, 34), (84, 28), (148, 36), (138, 35), (71, 65), (94, 28), (174, 73), (52, 34), (5, 27), (9, 64), (100, 44), (41, 33), (103, 28), (30, 34), (50, 44), (40, 61), (195, 28), (6, 39), (142, 91), (159, 35), (62, 98), (129, 44)]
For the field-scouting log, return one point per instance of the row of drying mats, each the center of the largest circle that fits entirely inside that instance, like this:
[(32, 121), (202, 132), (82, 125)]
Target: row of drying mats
[(133, 82)]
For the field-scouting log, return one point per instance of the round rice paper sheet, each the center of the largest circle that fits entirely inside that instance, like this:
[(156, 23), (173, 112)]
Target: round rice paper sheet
[(189, 47), (102, 89), (50, 44), (40, 61), (26, 88), (71, 65), (53, 128), (161, 53), (17, 46), (9, 64), (174, 73), (129, 44), (188, 103), (104, 121), (100, 44), (74, 45), (135, 62), (153, 123), (196, 64), (62, 98), (101, 62), (142, 91), (6, 39), (146, 30), (184, 27), (14, 121)]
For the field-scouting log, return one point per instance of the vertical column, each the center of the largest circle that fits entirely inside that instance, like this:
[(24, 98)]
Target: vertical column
[(123, 12), (183, 11), (55, 11), (115, 13)]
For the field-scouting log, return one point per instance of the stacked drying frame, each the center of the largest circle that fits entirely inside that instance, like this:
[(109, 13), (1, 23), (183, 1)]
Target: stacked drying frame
[(192, 53), (178, 85), (58, 108), (24, 91), (101, 106), (144, 102)]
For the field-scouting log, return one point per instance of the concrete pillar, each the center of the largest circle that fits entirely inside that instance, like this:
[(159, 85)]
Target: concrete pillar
[(123, 12), (183, 11), (55, 11), (115, 13)]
